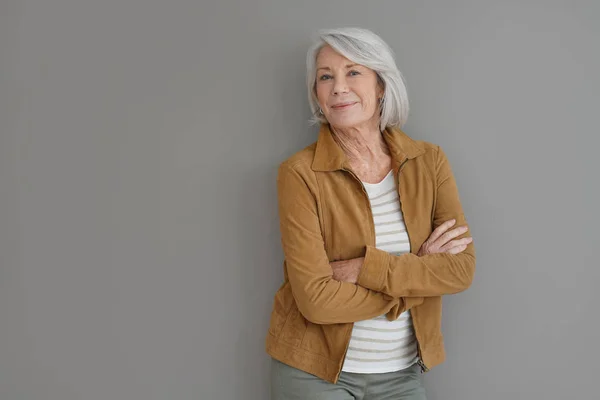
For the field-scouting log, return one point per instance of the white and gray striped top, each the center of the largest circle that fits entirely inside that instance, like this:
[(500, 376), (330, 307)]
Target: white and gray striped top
[(378, 345)]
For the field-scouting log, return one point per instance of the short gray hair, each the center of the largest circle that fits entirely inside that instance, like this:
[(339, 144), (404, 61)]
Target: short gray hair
[(365, 48)]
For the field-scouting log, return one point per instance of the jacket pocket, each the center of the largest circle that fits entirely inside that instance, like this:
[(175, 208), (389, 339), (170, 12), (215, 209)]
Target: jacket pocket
[(314, 340), (294, 327)]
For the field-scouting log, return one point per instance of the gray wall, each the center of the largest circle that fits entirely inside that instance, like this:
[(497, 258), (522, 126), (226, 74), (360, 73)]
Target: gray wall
[(139, 141)]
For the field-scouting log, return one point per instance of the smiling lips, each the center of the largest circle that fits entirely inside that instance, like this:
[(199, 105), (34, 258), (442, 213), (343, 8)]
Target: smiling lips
[(343, 106)]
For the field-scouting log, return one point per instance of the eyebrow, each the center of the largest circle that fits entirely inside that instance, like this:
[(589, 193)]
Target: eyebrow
[(347, 66)]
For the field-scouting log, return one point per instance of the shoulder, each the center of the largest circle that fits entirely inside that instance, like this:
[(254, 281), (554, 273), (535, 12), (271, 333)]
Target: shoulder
[(296, 181), (434, 161), (430, 153), (428, 146), (412, 147), (301, 160)]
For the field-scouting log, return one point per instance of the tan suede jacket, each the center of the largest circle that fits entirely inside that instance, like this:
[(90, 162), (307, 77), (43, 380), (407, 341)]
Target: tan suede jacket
[(325, 215)]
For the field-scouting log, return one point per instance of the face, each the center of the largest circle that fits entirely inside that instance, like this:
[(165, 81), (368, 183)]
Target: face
[(348, 93)]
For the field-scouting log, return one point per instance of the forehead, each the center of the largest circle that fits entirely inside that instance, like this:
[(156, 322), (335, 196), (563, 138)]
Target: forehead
[(328, 56)]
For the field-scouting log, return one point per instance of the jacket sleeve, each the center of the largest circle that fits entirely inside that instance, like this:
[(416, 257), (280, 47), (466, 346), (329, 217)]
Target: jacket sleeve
[(320, 298), (433, 274)]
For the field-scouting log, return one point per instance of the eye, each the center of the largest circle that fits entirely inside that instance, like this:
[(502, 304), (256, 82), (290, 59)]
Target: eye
[(324, 77), (354, 73)]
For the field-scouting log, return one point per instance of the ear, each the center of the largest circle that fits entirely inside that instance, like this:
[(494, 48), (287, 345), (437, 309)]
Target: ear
[(380, 88), (380, 93)]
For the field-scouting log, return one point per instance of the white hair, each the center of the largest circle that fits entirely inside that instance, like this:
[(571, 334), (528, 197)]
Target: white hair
[(365, 48)]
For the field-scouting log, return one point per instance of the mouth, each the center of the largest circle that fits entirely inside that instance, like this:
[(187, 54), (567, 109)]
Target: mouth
[(343, 106)]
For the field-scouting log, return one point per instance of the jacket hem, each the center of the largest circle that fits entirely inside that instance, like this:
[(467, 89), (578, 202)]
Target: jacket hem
[(303, 360), (433, 355), (322, 367)]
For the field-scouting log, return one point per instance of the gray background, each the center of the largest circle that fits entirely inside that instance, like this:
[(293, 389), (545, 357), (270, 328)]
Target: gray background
[(139, 241)]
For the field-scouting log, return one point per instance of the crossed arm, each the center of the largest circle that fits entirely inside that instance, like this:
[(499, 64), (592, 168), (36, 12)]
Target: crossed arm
[(369, 286)]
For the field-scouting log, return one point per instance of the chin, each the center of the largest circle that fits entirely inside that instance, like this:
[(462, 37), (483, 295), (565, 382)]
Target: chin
[(348, 122)]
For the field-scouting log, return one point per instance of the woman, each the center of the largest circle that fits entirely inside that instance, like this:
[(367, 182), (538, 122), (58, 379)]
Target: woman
[(373, 235)]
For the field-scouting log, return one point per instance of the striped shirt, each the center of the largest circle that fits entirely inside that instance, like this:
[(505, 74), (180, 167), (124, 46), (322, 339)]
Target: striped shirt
[(378, 345)]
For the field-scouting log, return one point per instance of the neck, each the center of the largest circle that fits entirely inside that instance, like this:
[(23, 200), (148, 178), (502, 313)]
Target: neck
[(364, 145)]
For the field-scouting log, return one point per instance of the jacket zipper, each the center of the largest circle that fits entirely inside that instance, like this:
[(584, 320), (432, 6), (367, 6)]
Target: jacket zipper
[(420, 360), (419, 353), (349, 334)]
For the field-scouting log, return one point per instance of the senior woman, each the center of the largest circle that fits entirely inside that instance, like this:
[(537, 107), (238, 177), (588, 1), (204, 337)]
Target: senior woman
[(373, 234)]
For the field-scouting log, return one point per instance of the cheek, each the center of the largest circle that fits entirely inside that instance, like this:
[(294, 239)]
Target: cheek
[(368, 97), (368, 102), (321, 92)]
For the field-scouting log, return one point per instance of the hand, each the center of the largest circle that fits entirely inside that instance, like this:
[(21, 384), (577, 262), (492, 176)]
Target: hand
[(347, 270), (440, 240)]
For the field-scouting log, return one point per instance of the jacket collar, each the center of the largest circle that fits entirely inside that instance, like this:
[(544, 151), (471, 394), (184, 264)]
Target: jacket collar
[(329, 156)]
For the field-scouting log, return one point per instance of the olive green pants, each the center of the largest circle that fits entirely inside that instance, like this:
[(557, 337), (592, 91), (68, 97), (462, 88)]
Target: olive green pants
[(289, 383)]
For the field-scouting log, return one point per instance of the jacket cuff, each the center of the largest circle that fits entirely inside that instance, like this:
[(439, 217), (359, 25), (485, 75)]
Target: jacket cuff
[(373, 269)]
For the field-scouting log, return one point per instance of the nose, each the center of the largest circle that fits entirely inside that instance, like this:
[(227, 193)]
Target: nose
[(340, 86)]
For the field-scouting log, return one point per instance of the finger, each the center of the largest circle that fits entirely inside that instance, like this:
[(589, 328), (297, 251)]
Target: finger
[(437, 232), (455, 243), (457, 249), (446, 237)]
